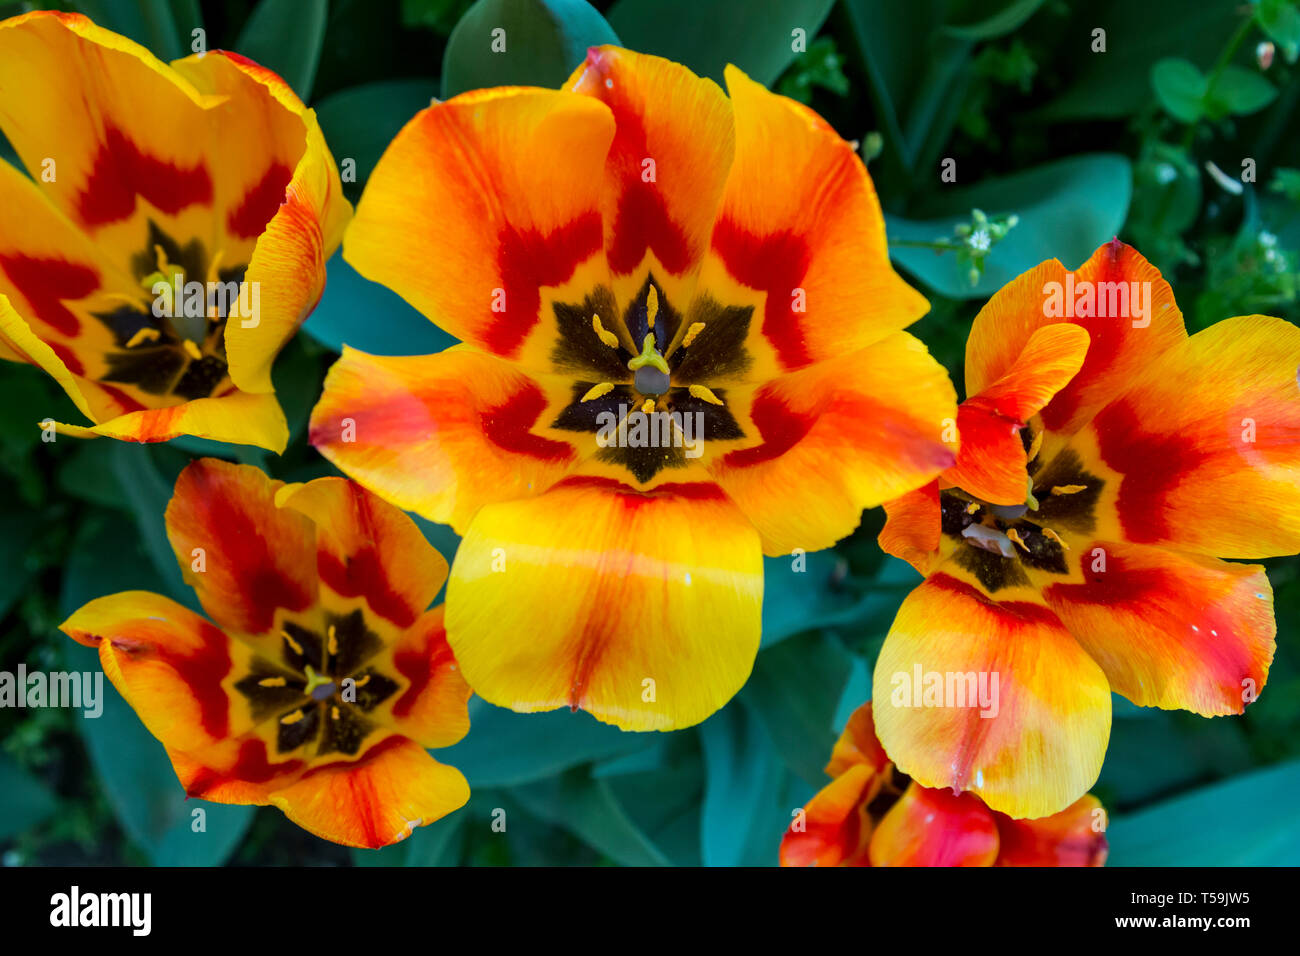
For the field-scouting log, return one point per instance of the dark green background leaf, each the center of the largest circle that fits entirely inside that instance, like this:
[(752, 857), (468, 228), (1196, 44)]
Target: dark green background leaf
[(1180, 87), (1067, 209), (545, 41), (24, 800), (756, 35), (286, 36), (360, 122), (1249, 820), (505, 749), (368, 316)]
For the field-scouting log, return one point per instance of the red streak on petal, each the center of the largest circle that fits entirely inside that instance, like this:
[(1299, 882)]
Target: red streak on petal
[(128, 403), (1026, 611), (641, 220), (641, 225), (251, 766), (121, 172), (67, 357), (1151, 466), (47, 283), (245, 551), (418, 666), (634, 497), (507, 426), (1220, 644), (781, 429), (528, 261), (260, 203), (1106, 336), (775, 264), (202, 671), (362, 574)]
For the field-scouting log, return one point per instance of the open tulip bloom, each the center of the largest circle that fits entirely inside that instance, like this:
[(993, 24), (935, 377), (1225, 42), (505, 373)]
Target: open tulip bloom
[(682, 350), (325, 676), (871, 815), (172, 236), (1108, 462)]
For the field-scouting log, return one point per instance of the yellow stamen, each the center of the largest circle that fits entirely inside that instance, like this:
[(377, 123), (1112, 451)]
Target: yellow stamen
[(191, 350), (145, 334), (271, 682), (334, 711), (1068, 489), (1052, 535), (596, 391), (293, 718), (973, 507), (214, 268), (161, 258), (363, 681), (691, 333), (1014, 535), (214, 277), (704, 394), (334, 640), (294, 645), (606, 336), (648, 406), (1036, 446), (651, 306)]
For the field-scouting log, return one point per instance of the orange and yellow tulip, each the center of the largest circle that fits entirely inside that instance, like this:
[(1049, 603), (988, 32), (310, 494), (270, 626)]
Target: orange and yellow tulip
[(324, 677), (634, 251), (207, 176), (1108, 463), (871, 815)]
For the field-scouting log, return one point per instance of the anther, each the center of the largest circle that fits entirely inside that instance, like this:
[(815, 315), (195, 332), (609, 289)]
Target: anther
[(651, 306), (293, 718), (648, 406), (1053, 536), (294, 645), (1014, 535), (160, 257), (145, 334), (606, 336), (1068, 489), (191, 349), (214, 268), (692, 333), (704, 394), (271, 682), (597, 391)]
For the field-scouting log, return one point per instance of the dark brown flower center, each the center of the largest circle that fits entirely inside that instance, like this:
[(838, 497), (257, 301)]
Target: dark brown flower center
[(170, 345), (639, 373), (321, 687), (998, 542)]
